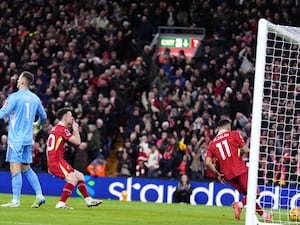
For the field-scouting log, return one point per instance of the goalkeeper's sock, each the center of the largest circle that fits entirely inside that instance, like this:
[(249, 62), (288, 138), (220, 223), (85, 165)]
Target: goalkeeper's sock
[(16, 183), (68, 188), (34, 181), (82, 188)]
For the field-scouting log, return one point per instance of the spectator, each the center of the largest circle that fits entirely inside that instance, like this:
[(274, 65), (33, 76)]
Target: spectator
[(93, 143), (240, 121), (142, 157), (97, 167), (81, 154), (3, 148), (183, 166), (167, 164), (101, 21), (144, 32), (152, 163), (183, 190), (197, 166), (125, 167), (161, 81)]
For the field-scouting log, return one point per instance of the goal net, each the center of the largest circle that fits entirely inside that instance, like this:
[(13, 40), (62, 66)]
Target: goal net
[(274, 165)]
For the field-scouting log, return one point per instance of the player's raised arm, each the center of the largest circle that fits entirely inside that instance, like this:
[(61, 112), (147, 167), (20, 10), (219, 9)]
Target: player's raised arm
[(75, 139), (66, 119)]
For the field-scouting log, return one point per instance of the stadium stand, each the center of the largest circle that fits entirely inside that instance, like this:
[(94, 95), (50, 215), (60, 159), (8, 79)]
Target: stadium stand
[(96, 57)]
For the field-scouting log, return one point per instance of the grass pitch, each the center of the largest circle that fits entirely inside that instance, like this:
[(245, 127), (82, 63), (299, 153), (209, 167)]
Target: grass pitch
[(114, 212)]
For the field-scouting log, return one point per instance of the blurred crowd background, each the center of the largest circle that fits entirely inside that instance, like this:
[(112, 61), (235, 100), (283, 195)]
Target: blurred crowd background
[(140, 113)]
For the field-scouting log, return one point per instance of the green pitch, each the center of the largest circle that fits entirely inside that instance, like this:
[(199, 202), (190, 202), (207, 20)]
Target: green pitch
[(114, 212)]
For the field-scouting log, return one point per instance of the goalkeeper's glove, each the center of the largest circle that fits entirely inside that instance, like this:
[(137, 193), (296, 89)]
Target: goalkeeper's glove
[(36, 127)]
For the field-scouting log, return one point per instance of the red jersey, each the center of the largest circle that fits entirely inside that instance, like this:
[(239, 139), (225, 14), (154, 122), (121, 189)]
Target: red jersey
[(225, 147), (55, 151)]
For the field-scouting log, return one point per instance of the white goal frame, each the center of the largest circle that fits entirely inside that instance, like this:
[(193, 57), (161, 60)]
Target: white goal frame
[(264, 27)]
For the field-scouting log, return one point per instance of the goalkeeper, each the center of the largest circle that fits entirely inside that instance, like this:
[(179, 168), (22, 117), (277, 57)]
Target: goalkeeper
[(21, 108)]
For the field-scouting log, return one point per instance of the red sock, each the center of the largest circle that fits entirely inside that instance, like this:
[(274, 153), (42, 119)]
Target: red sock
[(259, 210), (68, 188), (244, 200), (82, 188)]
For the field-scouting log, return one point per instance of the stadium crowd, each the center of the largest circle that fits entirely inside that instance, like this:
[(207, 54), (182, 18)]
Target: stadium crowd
[(97, 58)]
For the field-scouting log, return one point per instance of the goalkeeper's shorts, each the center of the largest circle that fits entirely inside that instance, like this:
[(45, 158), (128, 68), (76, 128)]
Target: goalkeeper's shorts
[(19, 153)]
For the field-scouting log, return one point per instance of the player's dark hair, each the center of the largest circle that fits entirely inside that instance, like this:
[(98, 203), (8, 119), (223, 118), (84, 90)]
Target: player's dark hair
[(61, 112), (28, 76), (222, 123)]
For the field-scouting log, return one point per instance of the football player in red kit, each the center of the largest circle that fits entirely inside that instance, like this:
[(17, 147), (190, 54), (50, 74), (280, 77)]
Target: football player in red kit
[(57, 165), (227, 147)]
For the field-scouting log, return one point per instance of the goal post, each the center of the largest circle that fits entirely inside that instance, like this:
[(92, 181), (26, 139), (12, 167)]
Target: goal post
[(256, 120), (275, 132)]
